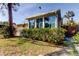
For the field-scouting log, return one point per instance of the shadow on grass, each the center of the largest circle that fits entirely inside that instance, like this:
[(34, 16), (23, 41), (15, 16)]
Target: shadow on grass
[(62, 52), (21, 41), (40, 43)]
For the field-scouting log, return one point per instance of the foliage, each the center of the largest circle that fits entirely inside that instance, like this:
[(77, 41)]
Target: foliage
[(9, 7), (3, 27), (69, 14), (71, 23), (76, 37), (5, 6), (5, 31), (71, 28), (50, 35)]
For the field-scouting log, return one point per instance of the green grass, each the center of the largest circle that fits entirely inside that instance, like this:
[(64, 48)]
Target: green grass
[(16, 47)]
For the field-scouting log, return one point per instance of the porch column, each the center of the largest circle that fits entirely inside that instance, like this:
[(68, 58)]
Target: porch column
[(35, 24), (43, 22), (28, 24), (56, 23)]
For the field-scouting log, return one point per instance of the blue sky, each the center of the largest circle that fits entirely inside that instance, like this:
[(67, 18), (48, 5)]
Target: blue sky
[(29, 9)]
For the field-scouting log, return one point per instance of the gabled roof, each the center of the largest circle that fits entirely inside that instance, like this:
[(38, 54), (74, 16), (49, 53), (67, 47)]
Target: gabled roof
[(42, 14)]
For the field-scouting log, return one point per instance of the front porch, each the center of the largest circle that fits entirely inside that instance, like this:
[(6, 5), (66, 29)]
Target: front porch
[(45, 20)]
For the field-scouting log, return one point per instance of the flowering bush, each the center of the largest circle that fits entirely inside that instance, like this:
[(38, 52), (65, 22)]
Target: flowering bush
[(71, 28), (50, 35)]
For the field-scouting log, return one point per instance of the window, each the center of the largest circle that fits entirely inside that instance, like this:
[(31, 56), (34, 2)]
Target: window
[(39, 23), (50, 21), (46, 22), (31, 24)]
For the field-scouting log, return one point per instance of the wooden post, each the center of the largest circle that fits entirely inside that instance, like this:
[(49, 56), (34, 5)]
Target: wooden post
[(28, 24)]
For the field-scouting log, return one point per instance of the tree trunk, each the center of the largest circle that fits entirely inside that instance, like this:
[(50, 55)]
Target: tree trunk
[(10, 19)]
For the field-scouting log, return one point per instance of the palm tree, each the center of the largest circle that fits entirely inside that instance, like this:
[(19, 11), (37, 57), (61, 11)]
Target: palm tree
[(10, 7), (70, 26), (69, 15)]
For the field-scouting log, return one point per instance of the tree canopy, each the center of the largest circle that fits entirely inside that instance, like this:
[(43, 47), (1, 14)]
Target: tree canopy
[(69, 14)]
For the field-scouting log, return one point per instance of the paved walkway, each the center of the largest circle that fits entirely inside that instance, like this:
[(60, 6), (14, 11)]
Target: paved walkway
[(65, 51), (62, 52)]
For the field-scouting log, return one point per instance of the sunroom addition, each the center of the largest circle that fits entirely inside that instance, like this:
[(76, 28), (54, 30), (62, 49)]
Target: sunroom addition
[(45, 20)]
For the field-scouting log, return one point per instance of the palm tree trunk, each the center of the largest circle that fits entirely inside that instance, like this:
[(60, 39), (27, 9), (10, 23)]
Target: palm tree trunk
[(10, 19), (10, 14)]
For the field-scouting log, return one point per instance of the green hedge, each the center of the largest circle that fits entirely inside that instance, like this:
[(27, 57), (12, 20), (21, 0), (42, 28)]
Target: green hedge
[(50, 35), (3, 29), (76, 37)]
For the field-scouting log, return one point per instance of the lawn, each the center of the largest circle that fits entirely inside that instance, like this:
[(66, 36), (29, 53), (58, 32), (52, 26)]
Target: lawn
[(16, 47)]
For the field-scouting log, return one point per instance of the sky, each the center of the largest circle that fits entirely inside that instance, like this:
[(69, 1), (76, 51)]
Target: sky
[(28, 9)]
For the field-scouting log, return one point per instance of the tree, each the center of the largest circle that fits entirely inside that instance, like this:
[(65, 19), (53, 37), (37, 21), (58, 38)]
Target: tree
[(10, 7), (70, 26), (69, 15)]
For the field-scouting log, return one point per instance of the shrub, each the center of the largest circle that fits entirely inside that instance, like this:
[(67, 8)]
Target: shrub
[(76, 37), (4, 32), (71, 28), (56, 35), (45, 34)]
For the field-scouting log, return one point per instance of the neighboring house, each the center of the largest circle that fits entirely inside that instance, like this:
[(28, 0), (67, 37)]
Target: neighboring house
[(45, 20), (65, 20), (22, 26), (18, 28)]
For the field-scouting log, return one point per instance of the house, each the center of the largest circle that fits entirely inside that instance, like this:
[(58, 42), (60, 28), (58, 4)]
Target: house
[(22, 25), (18, 28), (45, 20)]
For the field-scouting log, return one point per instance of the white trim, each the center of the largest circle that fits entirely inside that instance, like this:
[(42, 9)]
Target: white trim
[(35, 23), (56, 23), (43, 23), (41, 14), (28, 23)]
